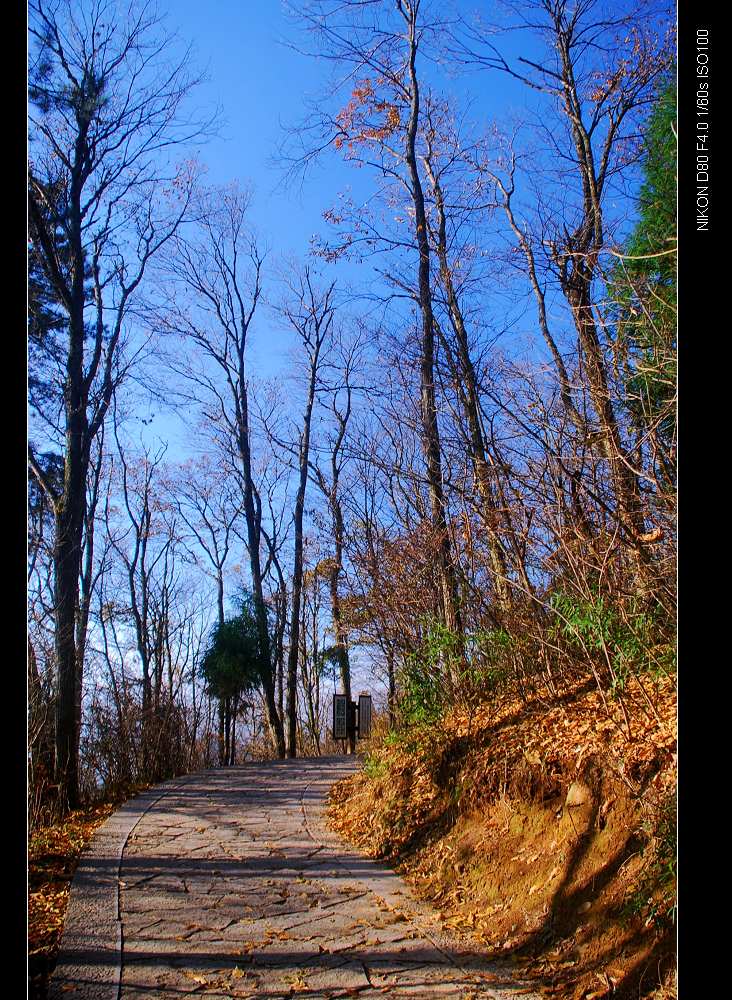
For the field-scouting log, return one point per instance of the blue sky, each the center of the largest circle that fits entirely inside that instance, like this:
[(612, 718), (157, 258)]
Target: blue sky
[(261, 83)]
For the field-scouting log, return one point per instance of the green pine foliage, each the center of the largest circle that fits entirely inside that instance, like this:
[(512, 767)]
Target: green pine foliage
[(643, 285), (232, 663)]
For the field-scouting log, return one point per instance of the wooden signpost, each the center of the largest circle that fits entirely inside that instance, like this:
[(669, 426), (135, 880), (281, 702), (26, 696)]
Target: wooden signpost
[(351, 719), (364, 716), (340, 717)]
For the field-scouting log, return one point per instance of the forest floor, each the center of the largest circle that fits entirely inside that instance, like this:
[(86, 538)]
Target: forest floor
[(53, 854), (545, 831)]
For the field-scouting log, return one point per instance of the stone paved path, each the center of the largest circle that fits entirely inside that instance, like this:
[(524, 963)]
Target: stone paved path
[(227, 884)]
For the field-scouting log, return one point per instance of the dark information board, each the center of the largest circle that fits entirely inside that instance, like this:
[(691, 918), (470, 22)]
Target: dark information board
[(340, 717), (364, 716)]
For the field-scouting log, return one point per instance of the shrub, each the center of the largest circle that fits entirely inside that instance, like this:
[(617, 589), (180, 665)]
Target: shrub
[(630, 638), (374, 767), (449, 668)]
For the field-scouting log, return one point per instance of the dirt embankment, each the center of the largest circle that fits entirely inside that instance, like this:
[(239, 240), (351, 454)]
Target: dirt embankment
[(547, 832)]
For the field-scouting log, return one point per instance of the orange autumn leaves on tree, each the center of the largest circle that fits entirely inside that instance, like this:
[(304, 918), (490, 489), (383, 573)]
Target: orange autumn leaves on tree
[(647, 55), (367, 117)]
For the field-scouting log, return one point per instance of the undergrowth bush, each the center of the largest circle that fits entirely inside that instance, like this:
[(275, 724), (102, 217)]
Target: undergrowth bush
[(374, 767), (624, 641), (449, 669)]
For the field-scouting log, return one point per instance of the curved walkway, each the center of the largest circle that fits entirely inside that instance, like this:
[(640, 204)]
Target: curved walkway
[(227, 884)]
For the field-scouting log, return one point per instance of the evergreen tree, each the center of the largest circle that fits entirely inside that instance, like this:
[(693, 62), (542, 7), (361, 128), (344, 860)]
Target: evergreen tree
[(643, 286), (232, 664)]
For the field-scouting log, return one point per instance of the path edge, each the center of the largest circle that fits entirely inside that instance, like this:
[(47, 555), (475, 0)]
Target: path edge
[(90, 951), (389, 886)]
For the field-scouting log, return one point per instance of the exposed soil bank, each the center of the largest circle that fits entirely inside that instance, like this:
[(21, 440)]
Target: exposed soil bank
[(544, 833)]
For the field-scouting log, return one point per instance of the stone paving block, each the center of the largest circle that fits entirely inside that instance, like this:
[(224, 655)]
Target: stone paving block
[(226, 883)]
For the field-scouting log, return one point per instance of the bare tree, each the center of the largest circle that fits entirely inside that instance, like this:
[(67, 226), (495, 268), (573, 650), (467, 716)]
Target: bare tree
[(310, 310), (160, 612), (311, 655), (207, 499), (598, 71), (446, 158), (108, 104), (273, 500), (217, 269), (338, 399), (377, 44)]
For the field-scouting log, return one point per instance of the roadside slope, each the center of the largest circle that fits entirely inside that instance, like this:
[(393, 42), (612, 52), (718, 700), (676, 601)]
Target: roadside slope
[(541, 832)]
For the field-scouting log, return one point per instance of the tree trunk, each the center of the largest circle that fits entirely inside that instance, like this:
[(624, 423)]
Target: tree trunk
[(625, 482), (468, 391), (274, 721), (67, 567), (235, 713), (222, 739), (227, 731), (341, 642), (292, 656), (428, 406), (304, 456), (392, 688)]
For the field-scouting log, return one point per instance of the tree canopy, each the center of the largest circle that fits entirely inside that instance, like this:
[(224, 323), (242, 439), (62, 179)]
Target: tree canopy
[(232, 664), (643, 285)]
